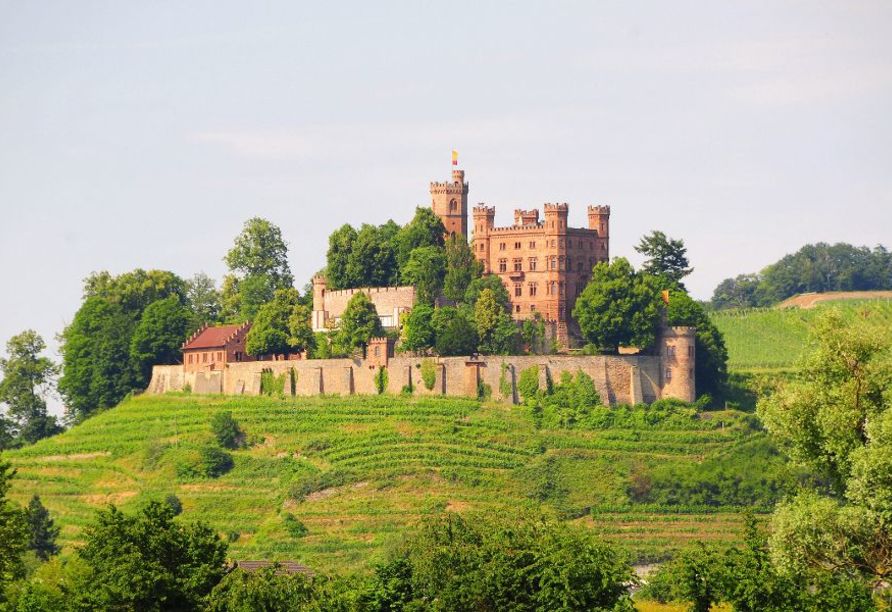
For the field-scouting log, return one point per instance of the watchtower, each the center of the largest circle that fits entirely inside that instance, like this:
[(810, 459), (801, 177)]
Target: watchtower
[(678, 350), (450, 202), (484, 221), (599, 220)]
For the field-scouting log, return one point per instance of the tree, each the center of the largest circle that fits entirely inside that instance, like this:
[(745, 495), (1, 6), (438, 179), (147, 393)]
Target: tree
[(340, 251), (619, 307), (13, 532), (711, 357), (496, 332), (741, 291), (226, 430), (425, 229), (159, 335), (268, 589), (26, 382), (425, 269), (135, 290), (146, 561), (666, 257), (836, 417), (454, 330), (491, 282), (359, 323), (281, 326), (461, 268), (418, 329), (96, 368), (43, 532), (519, 561), (242, 298), (203, 300), (372, 260)]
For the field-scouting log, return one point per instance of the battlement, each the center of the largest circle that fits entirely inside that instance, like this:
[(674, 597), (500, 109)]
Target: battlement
[(602, 210), (558, 208), (516, 228), (678, 331), (333, 293), (449, 188), (481, 210), (526, 217)]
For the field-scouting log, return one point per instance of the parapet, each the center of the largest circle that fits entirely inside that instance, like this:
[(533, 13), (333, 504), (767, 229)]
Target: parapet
[(526, 217), (558, 208), (601, 210), (678, 331), (482, 210)]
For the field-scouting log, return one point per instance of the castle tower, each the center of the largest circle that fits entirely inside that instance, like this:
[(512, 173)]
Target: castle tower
[(678, 349), (319, 285), (599, 220), (556, 262), (484, 221), (450, 202)]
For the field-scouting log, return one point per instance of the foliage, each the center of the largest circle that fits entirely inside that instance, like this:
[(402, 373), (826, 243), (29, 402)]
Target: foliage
[(497, 562), (258, 266), (13, 532), (366, 258), (293, 526), (424, 230), (175, 504), (209, 462), (227, 431), (42, 531), (619, 307), (27, 379), (133, 291), (418, 330), (665, 257), (532, 332), (147, 561), (494, 284), (528, 383), (454, 331), (428, 373), (204, 301), (711, 356), (817, 267), (461, 268), (425, 269), (271, 384), (570, 401), (359, 323), (282, 326), (268, 589), (159, 335), (496, 332), (381, 380)]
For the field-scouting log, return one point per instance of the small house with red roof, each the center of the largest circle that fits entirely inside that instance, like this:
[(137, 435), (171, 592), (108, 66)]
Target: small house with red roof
[(211, 348)]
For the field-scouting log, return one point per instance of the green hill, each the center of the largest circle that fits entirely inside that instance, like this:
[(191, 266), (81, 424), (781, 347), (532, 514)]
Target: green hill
[(771, 338), (356, 472)]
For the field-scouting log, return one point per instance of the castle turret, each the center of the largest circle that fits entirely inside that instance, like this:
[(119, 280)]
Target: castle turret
[(319, 285), (450, 202), (526, 217), (599, 220), (484, 221), (678, 349), (556, 219)]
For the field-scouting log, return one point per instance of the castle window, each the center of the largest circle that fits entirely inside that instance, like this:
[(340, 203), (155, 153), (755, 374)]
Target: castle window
[(690, 372), (518, 265), (603, 247), (532, 289), (532, 261), (516, 245), (560, 313), (377, 351), (569, 265), (518, 290), (670, 351), (532, 308), (501, 246), (503, 265), (453, 206), (561, 262), (190, 357), (481, 246), (532, 244), (517, 308), (668, 374), (204, 358), (563, 288)]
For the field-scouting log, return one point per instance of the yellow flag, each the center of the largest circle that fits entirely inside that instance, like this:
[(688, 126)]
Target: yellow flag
[(454, 157)]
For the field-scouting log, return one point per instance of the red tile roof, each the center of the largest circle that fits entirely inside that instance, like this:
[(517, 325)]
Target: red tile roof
[(213, 337)]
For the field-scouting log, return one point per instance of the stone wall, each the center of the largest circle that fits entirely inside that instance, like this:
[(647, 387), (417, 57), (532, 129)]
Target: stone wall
[(622, 379)]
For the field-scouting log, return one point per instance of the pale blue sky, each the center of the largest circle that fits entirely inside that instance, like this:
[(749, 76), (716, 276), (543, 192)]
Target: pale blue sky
[(143, 134)]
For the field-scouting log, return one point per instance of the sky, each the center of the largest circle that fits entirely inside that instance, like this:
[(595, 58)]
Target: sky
[(144, 134)]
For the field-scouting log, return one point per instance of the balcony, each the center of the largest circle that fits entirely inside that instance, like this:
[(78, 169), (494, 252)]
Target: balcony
[(516, 275)]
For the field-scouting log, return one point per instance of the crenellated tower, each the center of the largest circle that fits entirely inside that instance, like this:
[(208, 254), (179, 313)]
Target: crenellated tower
[(484, 222), (450, 202)]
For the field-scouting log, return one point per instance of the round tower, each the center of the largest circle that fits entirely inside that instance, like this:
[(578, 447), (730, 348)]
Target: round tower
[(319, 286), (678, 350), (449, 200)]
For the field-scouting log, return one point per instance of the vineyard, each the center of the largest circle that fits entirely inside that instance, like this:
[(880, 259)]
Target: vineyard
[(773, 338), (333, 482)]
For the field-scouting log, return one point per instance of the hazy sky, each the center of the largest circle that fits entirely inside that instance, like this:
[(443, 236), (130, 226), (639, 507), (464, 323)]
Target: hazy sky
[(143, 134)]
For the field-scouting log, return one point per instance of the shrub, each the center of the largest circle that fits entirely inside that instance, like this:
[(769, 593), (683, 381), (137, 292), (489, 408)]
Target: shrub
[(175, 504), (428, 373), (209, 462), (293, 376), (318, 482), (293, 526), (484, 391), (528, 383), (227, 431), (506, 388), (381, 380), (270, 384)]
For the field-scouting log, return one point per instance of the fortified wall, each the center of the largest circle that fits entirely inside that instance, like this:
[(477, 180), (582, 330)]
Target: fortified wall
[(620, 379)]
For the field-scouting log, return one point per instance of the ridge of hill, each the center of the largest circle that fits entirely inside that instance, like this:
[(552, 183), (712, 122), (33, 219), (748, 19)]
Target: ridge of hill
[(355, 472), (810, 300), (775, 338)]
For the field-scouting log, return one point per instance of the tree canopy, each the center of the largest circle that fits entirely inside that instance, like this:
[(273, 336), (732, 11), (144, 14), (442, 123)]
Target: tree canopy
[(666, 257), (159, 335), (281, 326), (27, 380), (359, 323), (425, 269)]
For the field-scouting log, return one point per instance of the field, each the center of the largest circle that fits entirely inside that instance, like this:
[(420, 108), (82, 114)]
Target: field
[(774, 339), (356, 472)]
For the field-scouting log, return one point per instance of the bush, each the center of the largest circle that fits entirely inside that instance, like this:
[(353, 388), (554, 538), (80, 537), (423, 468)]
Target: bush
[(175, 504), (270, 384), (428, 373), (227, 431), (293, 526), (528, 383), (506, 388), (381, 380), (208, 462), (484, 391), (318, 482)]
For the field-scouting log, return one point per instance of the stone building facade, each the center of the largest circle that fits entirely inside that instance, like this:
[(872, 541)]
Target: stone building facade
[(543, 263), (212, 348), (619, 379), (329, 304)]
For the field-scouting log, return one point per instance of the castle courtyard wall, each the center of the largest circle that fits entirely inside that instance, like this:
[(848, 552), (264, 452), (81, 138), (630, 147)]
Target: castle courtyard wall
[(622, 379)]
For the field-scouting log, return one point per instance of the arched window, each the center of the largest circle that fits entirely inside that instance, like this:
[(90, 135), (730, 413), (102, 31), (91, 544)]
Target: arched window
[(453, 205)]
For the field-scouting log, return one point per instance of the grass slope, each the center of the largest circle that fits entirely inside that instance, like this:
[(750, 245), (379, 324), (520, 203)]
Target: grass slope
[(765, 339), (370, 467)]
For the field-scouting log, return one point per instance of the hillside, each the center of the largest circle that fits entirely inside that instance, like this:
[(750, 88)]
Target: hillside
[(368, 467), (773, 338)]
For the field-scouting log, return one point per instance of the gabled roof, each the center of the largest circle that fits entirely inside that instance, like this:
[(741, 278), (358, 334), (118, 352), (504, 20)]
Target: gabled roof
[(213, 337)]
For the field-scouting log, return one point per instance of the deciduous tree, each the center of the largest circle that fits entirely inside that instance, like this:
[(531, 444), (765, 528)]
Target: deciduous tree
[(359, 323), (203, 301), (496, 332), (13, 532), (159, 335), (425, 269), (424, 230), (281, 326), (461, 268), (27, 378)]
